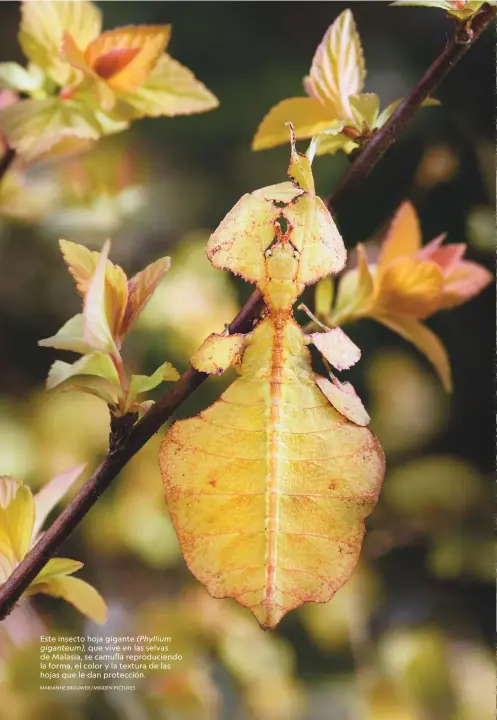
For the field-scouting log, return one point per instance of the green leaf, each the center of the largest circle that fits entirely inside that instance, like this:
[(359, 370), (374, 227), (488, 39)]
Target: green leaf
[(69, 337), (96, 329), (51, 493), (144, 383), (390, 109), (15, 77), (79, 593), (96, 363), (329, 144), (323, 296), (35, 127), (54, 567)]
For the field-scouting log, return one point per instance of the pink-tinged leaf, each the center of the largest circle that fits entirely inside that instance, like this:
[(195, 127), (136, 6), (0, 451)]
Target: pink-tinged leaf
[(448, 257), (424, 340), (79, 593), (307, 115), (344, 398), (338, 69), (96, 330), (428, 250), (403, 236), (337, 348), (465, 281), (170, 89), (141, 287), (51, 493)]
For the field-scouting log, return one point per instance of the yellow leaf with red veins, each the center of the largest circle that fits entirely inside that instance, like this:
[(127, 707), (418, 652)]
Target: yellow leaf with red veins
[(141, 287), (403, 236), (42, 27), (338, 69), (170, 89), (269, 487), (308, 116), (410, 287), (425, 340), (125, 57)]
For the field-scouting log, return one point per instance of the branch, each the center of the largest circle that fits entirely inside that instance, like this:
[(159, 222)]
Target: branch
[(126, 439), (6, 161), (464, 37)]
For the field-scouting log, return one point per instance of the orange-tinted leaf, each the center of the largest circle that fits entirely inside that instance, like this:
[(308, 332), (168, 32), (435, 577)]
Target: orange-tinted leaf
[(126, 56), (410, 287), (425, 340), (338, 69), (403, 236), (141, 287), (307, 115)]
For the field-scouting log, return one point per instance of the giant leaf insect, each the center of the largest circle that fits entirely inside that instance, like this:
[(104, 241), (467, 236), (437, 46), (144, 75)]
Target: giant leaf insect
[(268, 488)]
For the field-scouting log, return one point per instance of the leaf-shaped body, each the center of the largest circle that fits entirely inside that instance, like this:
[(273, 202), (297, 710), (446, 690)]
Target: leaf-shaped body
[(269, 487)]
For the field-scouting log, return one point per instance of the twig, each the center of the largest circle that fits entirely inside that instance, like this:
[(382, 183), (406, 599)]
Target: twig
[(125, 443), (6, 161)]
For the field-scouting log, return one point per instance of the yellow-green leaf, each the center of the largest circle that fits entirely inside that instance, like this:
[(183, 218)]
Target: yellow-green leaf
[(54, 567), (460, 9), (143, 383), (307, 115), (327, 143), (365, 108), (338, 69), (390, 109), (355, 290), (69, 337), (79, 593), (170, 89), (96, 363), (323, 296), (42, 27), (17, 521), (35, 127), (424, 340), (15, 77)]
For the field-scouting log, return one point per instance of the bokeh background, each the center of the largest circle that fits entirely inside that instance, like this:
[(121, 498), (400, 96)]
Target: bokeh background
[(409, 637)]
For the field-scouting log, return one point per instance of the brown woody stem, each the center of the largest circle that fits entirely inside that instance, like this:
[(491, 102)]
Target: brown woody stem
[(126, 439)]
